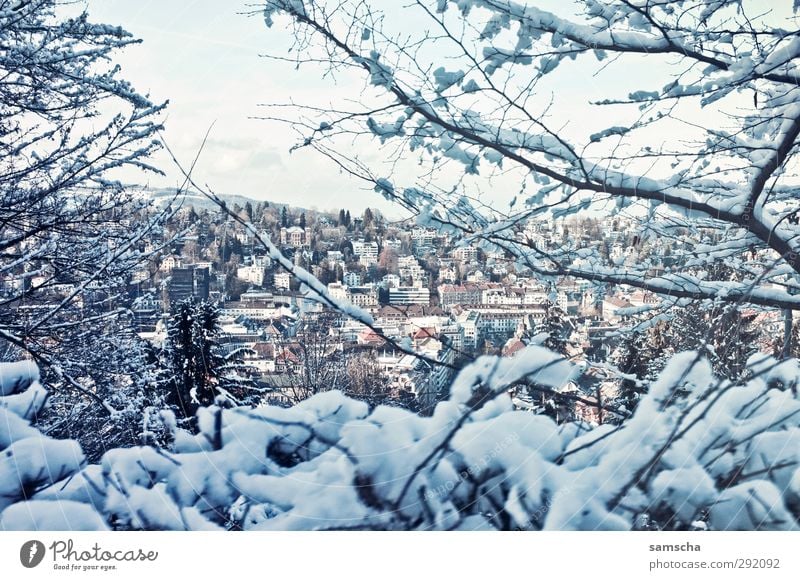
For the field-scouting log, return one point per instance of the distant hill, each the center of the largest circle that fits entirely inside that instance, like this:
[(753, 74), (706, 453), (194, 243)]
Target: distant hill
[(161, 196)]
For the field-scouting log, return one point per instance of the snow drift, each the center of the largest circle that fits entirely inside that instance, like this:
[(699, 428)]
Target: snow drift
[(698, 453)]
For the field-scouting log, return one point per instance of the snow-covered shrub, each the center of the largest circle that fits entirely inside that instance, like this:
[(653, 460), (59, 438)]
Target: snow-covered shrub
[(722, 455)]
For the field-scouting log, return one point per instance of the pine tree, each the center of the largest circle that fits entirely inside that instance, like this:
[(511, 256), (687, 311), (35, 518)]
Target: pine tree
[(724, 334), (733, 338), (557, 328), (657, 349), (303, 220), (284, 217), (368, 218), (198, 372), (631, 357), (342, 218)]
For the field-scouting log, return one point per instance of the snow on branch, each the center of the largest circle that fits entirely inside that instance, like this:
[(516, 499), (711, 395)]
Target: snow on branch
[(713, 146), (698, 453)]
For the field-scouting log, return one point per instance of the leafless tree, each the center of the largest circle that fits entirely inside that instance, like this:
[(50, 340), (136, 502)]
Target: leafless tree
[(316, 349), (463, 99), (364, 380), (71, 232)]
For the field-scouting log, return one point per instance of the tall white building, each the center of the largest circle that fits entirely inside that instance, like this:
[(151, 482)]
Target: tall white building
[(404, 295), (366, 252)]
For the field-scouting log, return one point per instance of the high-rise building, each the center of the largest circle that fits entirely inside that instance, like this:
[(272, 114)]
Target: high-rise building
[(188, 282), (403, 295)]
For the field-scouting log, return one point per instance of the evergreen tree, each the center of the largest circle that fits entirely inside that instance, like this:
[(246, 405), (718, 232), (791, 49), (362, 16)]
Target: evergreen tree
[(657, 349), (284, 217), (631, 357), (325, 274), (195, 370), (794, 343), (342, 218), (248, 209), (733, 338), (724, 334), (347, 219), (557, 328), (225, 250), (559, 409), (303, 220)]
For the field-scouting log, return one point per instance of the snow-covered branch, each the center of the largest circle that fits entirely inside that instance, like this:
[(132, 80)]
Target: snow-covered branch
[(714, 146), (699, 452)]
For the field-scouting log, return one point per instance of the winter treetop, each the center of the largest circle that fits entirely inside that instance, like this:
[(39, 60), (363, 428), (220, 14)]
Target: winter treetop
[(687, 119)]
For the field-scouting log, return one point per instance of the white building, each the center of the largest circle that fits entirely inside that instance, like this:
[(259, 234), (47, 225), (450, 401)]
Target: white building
[(251, 310), (256, 296), (262, 261), (423, 236), (334, 258), (476, 276), (337, 290), (363, 296), (409, 268), (395, 245), (282, 280), (448, 275), (366, 252), (351, 279), (170, 263), (251, 274), (407, 262), (390, 281), (403, 295), (295, 236), (454, 334), (465, 253)]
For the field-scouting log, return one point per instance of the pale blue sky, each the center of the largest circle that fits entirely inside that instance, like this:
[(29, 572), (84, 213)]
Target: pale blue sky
[(203, 55)]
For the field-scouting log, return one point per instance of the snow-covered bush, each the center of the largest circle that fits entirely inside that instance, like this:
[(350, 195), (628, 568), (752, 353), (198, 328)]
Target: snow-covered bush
[(698, 452)]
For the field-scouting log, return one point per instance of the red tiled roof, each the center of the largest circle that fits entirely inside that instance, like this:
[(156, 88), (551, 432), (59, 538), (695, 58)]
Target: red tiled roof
[(424, 333)]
